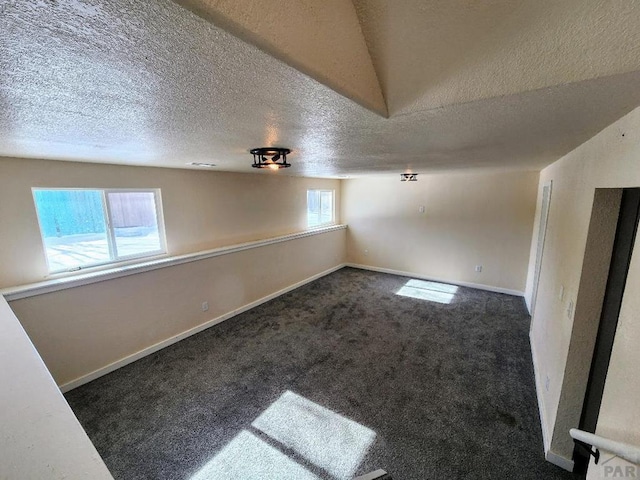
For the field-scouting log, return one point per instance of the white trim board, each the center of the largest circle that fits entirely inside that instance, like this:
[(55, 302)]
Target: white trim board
[(78, 280), (192, 331), (559, 461), (372, 476), (549, 456), (478, 286), (527, 302)]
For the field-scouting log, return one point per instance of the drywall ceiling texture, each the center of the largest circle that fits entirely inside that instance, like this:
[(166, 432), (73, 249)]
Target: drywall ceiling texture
[(432, 53), (321, 39), (154, 84)]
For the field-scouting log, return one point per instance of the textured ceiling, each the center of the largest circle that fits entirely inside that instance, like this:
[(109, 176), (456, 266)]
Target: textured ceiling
[(150, 83), (322, 39), (430, 53)]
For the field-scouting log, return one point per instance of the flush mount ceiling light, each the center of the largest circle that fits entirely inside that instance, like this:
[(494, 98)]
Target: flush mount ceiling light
[(270, 157), (408, 177)]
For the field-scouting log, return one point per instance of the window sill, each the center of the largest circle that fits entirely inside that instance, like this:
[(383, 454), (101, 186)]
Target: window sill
[(78, 280)]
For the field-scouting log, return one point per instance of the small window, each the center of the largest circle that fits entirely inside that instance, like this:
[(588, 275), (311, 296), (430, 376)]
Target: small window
[(85, 228), (319, 207)]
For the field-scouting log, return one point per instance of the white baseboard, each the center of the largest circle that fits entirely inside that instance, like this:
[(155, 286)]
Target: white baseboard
[(478, 286), (192, 331), (549, 456)]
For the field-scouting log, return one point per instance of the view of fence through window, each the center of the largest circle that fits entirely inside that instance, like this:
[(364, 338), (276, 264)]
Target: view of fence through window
[(83, 228), (319, 207)]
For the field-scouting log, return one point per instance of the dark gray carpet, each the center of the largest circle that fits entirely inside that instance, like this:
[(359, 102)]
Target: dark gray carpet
[(421, 389)]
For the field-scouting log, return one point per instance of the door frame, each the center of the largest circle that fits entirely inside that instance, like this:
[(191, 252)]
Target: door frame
[(625, 236)]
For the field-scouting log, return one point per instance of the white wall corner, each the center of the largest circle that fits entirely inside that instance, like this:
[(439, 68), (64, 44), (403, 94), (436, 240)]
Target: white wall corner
[(527, 302), (549, 455)]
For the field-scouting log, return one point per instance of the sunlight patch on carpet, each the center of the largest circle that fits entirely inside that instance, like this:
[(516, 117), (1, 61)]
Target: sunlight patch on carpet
[(328, 440), (431, 291), (249, 458)]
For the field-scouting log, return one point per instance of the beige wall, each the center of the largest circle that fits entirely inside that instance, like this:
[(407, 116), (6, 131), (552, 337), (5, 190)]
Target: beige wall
[(83, 329), (469, 220), (609, 160), (202, 209)]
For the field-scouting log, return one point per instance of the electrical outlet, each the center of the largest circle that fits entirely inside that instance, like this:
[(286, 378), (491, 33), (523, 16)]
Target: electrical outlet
[(205, 306), (478, 268), (421, 209), (547, 382), (366, 252)]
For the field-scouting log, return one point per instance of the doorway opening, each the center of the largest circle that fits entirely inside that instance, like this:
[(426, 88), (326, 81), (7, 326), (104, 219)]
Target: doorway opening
[(542, 232), (620, 259)]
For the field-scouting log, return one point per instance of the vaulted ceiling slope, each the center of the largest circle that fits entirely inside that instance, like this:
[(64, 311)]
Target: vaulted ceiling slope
[(430, 53), (322, 39), (494, 84)]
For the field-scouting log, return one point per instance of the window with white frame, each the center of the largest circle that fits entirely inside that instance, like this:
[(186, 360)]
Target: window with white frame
[(320, 207), (89, 227)]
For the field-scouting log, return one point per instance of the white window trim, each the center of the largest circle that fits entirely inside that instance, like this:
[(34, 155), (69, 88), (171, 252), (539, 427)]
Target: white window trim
[(333, 206), (110, 234)]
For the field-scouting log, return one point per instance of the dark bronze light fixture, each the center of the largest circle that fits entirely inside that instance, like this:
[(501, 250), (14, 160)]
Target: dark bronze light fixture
[(408, 177), (270, 157)]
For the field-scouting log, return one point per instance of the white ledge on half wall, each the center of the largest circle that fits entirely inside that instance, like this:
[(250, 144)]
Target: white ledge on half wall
[(77, 280)]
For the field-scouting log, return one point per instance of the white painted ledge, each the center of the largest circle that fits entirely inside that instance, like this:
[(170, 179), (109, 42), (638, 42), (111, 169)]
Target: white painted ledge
[(62, 283)]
